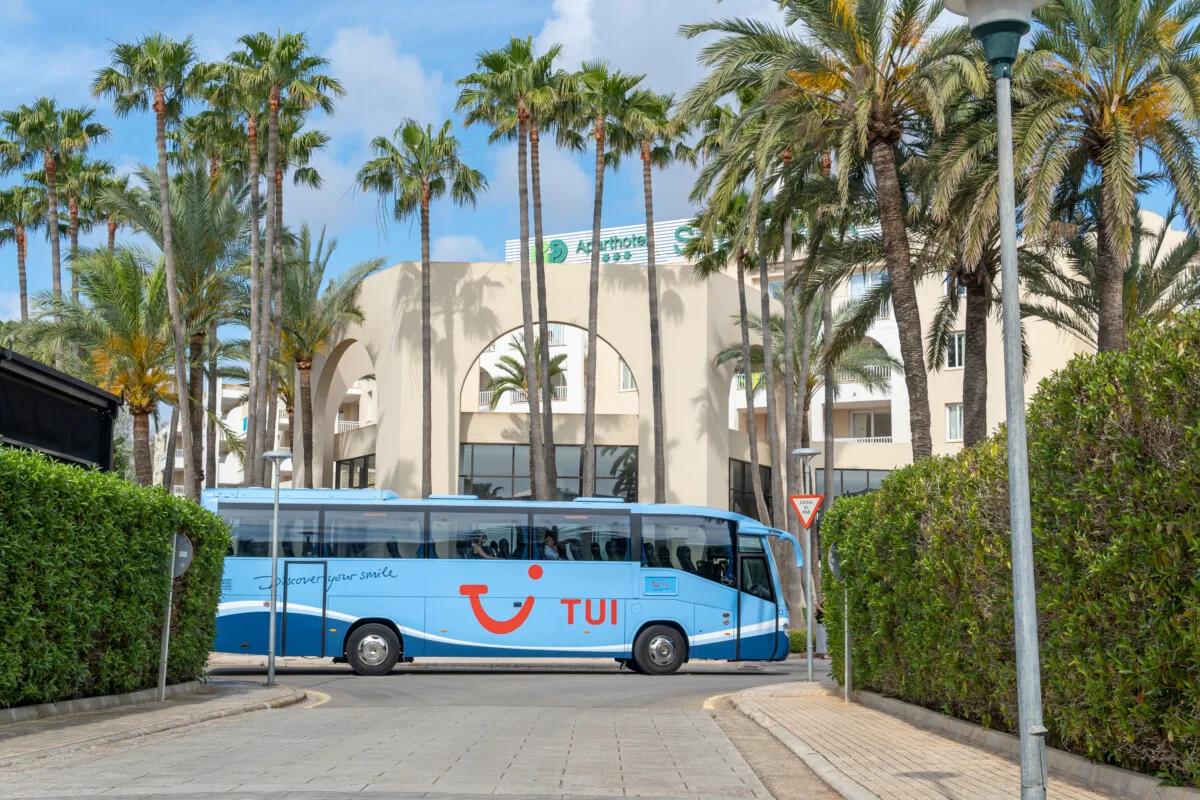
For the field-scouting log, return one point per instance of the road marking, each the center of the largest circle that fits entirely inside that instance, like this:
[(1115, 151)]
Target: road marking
[(322, 698)]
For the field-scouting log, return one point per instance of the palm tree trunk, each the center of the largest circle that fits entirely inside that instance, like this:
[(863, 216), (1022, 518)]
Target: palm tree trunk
[(51, 168), (975, 378), (426, 355), (769, 384), (656, 388), (210, 450), (22, 281), (177, 330), (112, 234), (1110, 288), (537, 451), (904, 294), (588, 456), (168, 473), (268, 282), (142, 469), (252, 419), (276, 316), (306, 421), (748, 373), (828, 454), (543, 355), (73, 230), (804, 382), (791, 427), (291, 420), (196, 387)]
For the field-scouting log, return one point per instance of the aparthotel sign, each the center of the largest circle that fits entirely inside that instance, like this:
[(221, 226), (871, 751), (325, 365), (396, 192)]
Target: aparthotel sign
[(624, 244)]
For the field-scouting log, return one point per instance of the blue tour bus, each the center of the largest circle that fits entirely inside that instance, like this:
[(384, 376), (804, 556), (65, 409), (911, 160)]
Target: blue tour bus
[(368, 578)]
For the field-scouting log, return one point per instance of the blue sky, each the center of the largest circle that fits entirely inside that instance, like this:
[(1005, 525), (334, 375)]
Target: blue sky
[(396, 59)]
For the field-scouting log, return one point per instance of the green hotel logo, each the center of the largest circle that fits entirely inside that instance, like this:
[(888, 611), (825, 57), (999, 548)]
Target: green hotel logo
[(556, 251)]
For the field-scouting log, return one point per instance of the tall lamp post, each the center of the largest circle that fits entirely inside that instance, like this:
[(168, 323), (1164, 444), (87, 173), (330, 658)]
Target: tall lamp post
[(999, 26), (806, 455), (276, 457)]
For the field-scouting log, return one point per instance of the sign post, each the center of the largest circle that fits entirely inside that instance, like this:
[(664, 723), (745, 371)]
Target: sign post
[(806, 506), (181, 559)]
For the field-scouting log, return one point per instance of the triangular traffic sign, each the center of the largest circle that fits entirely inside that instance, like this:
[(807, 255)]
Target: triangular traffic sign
[(806, 506)]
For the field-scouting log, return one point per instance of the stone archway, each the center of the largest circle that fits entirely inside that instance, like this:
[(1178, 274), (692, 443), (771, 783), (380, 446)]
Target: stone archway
[(344, 364)]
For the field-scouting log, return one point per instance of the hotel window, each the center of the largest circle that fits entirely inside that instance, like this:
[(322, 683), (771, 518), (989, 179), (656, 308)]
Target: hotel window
[(956, 350), (862, 283), (354, 473), (850, 481), (501, 471), (558, 334), (741, 487), (954, 422), (628, 384), (871, 425)]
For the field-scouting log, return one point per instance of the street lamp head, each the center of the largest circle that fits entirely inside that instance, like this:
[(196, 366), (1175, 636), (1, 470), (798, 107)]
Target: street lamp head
[(277, 455), (999, 26), (806, 453)]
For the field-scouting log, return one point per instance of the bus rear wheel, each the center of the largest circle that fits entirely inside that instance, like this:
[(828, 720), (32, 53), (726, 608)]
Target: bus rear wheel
[(659, 650), (373, 649)]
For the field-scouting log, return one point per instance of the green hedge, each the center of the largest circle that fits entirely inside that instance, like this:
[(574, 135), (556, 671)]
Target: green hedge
[(1114, 444), (83, 582)]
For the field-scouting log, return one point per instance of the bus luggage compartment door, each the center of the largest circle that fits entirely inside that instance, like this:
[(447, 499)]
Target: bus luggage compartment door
[(302, 630)]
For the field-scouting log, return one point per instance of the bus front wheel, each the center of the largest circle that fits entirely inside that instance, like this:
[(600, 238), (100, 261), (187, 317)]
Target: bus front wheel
[(659, 650), (373, 649)]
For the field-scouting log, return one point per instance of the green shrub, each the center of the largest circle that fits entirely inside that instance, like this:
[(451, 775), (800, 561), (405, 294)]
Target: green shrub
[(796, 641), (1114, 448), (83, 582)]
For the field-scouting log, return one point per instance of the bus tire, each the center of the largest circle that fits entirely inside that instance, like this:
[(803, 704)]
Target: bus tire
[(373, 649), (659, 650)]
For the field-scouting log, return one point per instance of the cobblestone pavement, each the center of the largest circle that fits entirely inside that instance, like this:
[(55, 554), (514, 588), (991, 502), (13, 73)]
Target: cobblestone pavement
[(884, 756), (449, 734)]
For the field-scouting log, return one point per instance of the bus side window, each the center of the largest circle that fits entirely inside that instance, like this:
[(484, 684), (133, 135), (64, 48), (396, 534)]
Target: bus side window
[(700, 545), (251, 532), (373, 533), (581, 537), (478, 535)]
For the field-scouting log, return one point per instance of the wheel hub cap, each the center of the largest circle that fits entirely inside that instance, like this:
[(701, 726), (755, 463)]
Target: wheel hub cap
[(662, 651), (373, 650)]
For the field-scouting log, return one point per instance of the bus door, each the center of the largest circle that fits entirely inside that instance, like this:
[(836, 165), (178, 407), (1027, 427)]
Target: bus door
[(304, 588), (757, 612)]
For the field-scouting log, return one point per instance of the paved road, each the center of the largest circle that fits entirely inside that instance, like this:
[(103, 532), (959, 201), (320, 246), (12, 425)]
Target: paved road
[(459, 733)]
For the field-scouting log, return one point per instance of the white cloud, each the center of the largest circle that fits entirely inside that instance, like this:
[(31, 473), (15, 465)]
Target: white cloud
[(465, 247), (642, 37), (383, 85), (10, 305), (336, 204)]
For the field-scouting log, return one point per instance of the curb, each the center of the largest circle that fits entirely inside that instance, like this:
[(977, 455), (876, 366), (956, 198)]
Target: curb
[(1101, 777), (85, 704), (837, 780), (286, 697)]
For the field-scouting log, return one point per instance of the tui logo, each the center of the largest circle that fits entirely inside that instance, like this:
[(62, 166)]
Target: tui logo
[(499, 626)]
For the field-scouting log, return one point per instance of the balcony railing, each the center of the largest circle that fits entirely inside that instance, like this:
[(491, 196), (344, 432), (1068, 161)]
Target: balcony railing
[(864, 439), (485, 398), (559, 392), (344, 425), (518, 396), (741, 380), (880, 372)]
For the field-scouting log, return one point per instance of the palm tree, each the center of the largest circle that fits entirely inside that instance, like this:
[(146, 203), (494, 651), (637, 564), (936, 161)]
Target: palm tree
[(156, 72), (655, 133), (310, 316), (1158, 282), (599, 101), (114, 216), (232, 92), (282, 70), (869, 78), (42, 131), (518, 93), (1111, 81), (409, 171), (21, 211), (82, 179), (711, 253), (515, 379), (124, 332), (209, 247)]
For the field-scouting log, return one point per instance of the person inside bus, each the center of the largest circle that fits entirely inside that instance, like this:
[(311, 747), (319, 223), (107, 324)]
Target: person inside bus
[(550, 545), (477, 548)]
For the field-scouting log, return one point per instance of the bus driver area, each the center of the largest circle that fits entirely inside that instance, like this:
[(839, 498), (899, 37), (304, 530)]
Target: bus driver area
[(370, 579)]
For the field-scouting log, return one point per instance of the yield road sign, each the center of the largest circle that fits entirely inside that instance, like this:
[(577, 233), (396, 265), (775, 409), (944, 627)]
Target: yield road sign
[(806, 506)]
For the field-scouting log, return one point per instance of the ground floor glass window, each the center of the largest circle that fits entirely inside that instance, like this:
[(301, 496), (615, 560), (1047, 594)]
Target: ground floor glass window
[(501, 471), (354, 473), (741, 487)]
